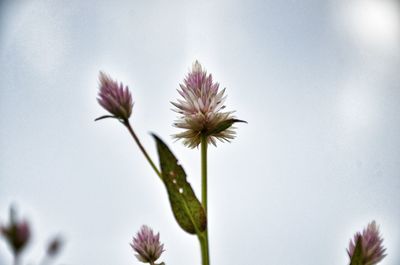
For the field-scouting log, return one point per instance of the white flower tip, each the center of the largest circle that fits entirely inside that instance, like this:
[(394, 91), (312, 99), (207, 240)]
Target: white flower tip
[(196, 67)]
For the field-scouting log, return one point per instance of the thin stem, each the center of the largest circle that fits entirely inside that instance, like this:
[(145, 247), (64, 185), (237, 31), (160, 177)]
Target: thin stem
[(204, 237), (129, 127), (204, 172), (16, 259), (205, 259)]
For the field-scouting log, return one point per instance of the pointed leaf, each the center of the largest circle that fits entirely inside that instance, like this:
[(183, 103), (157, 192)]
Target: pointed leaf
[(187, 209), (105, 117), (223, 125), (357, 258)]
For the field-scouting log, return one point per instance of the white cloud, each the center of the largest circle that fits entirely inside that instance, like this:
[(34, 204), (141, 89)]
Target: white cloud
[(372, 24)]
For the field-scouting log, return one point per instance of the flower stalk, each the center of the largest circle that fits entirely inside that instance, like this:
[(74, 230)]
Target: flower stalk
[(204, 171), (205, 258), (204, 240), (142, 149), (16, 259)]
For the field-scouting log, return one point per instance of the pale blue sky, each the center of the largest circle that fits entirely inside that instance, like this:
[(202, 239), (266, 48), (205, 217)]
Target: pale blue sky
[(318, 82)]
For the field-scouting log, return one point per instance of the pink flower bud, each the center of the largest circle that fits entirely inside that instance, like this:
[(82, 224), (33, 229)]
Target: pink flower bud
[(372, 250), (147, 245), (114, 97)]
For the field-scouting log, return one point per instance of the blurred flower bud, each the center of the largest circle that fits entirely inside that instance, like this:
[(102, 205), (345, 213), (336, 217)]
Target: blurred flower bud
[(17, 233), (147, 245), (54, 246)]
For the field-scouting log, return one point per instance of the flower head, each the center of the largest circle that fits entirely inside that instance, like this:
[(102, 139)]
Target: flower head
[(147, 245), (200, 110), (17, 233), (114, 97), (372, 250)]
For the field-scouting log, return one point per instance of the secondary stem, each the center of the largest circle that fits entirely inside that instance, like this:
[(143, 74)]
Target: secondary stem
[(129, 127), (16, 259), (204, 237)]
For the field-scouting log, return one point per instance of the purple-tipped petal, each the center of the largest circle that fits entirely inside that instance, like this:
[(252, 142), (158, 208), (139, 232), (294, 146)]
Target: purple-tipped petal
[(114, 97), (201, 108), (371, 245)]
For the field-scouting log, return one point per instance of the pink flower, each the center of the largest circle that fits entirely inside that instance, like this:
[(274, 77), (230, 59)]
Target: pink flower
[(147, 245), (372, 250), (201, 110), (114, 97)]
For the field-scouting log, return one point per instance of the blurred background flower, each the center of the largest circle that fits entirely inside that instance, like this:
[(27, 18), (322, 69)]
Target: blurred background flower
[(17, 233)]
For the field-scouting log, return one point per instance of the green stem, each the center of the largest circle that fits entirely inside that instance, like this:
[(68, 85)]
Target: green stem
[(205, 259), (129, 127), (204, 172), (204, 237)]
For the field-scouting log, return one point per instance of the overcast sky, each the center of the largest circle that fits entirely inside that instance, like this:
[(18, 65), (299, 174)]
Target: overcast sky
[(317, 81)]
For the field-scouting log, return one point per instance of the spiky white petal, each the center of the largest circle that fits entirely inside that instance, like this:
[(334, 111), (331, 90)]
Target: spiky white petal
[(200, 110)]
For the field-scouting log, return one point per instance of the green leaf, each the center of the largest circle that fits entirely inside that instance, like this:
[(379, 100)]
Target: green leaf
[(357, 258), (187, 209), (223, 125), (105, 117)]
